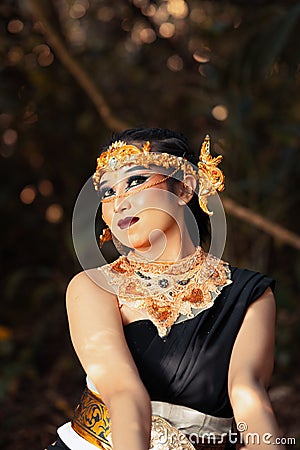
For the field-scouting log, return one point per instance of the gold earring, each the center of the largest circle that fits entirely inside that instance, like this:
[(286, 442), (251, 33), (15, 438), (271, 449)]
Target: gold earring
[(105, 237)]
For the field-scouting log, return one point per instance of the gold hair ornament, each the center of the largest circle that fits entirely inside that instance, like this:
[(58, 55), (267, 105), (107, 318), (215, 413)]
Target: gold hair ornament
[(120, 154), (209, 176)]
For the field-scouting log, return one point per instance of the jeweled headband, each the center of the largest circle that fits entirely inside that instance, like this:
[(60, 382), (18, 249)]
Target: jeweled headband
[(208, 175)]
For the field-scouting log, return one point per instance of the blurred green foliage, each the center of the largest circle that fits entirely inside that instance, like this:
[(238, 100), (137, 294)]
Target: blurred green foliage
[(230, 69)]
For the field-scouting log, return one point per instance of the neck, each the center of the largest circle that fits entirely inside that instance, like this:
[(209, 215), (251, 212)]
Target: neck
[(172, 246)]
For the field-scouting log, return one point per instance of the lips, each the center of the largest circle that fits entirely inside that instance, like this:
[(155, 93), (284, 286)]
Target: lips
[(127, 222)]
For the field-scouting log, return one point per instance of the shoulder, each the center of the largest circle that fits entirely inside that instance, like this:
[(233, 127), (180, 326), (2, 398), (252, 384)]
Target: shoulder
[(89, 285), (249, 285), (245, 276)]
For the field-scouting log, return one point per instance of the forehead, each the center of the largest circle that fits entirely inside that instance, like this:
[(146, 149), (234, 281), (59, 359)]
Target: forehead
[(127, 171)]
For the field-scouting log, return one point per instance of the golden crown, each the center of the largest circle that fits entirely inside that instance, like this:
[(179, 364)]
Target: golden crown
[(209, 176)]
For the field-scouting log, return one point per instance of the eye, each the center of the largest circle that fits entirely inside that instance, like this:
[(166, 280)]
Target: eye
[(136, 180), (106, 193)]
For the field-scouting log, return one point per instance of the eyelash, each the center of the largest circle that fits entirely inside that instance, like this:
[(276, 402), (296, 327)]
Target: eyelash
[(140, 178)]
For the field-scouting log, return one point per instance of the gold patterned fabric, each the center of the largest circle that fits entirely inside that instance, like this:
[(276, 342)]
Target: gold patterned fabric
[(92, 422), (169, 292)]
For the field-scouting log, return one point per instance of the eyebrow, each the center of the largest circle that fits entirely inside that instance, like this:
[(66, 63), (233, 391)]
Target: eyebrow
[(131, 169)]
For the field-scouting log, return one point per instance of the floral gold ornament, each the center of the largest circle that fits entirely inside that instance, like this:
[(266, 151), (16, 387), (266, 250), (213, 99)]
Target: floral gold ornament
[(120, 154), (213, 179), (169, 292), (209, 177), (105, 237)]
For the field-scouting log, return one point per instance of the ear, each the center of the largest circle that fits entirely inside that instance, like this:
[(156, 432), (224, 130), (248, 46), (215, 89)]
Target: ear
[(186, 190)]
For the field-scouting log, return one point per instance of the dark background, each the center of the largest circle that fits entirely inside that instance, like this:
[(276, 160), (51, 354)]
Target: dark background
[(74, 71)]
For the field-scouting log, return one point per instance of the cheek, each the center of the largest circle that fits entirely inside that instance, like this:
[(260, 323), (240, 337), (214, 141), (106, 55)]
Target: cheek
[(156, 209), (107, 213), (156, 220), (156, 198)]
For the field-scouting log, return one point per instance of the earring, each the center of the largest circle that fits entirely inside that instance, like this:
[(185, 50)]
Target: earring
[(118, 245), (105, 237)]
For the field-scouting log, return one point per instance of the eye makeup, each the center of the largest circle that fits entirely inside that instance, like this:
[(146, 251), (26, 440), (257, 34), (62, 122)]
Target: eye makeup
[(131, 182)]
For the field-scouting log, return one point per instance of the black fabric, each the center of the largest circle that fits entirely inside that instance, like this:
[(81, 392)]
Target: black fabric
[(190, 366)]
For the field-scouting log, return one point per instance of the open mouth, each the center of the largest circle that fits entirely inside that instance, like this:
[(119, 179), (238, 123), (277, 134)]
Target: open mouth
[(127, 222)]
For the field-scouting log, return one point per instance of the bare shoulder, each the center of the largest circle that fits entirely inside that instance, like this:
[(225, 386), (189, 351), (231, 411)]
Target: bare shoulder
[(97, 334), (253, 351), (263, 309), (90, 278), (90, 286)]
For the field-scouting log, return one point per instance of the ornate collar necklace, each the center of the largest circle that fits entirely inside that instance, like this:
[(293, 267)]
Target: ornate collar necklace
[(169, 292)]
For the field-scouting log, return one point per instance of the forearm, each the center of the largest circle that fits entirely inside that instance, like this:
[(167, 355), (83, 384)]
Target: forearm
[(253, 412), (130, 419)]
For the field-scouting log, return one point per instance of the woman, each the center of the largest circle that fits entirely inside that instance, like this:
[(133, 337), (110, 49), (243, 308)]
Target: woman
[(174, 342)]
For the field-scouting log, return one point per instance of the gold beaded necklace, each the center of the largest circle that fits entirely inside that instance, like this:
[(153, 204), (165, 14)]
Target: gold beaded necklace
[(169, 292)]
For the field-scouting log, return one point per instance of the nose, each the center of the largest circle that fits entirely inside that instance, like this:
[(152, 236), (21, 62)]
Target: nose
[(121, 204)]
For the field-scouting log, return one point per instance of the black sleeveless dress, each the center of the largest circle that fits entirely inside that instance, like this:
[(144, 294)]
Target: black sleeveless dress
[(189, 367)]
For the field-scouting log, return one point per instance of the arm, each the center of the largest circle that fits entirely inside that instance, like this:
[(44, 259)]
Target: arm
[(250, 370), (97, 335)]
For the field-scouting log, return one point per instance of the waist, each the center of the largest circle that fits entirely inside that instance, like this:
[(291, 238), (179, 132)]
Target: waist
[(169, 422)]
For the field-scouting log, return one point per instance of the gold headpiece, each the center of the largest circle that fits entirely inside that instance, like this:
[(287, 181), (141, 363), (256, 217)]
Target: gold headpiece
[(209, 176), (213, 179)]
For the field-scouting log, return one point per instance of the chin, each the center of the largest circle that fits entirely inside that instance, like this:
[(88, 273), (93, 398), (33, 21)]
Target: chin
[(139, 244), (134, 240), (138, 240)]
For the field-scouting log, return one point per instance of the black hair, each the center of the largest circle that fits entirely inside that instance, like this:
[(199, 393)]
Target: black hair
[(168, 141)]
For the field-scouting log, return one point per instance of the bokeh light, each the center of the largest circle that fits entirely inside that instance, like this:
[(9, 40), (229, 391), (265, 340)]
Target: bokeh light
[(15, 26), (178, 9), (10, 136), (201, 69), (28, 194), (167, 30), (78, 9), (220, 112), (44, 55), (175, 63), (15, 55), (149, 10), (45, 187), (202, 55), (54, 213), (136, 31), (77, 34), (161, 14), (147, 35), (105, 14)]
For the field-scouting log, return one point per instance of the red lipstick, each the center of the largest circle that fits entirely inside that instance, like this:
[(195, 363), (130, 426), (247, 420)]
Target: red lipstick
[(127, 222)]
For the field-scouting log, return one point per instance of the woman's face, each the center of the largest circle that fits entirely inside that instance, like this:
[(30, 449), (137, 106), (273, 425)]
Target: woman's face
[(137, 207)]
